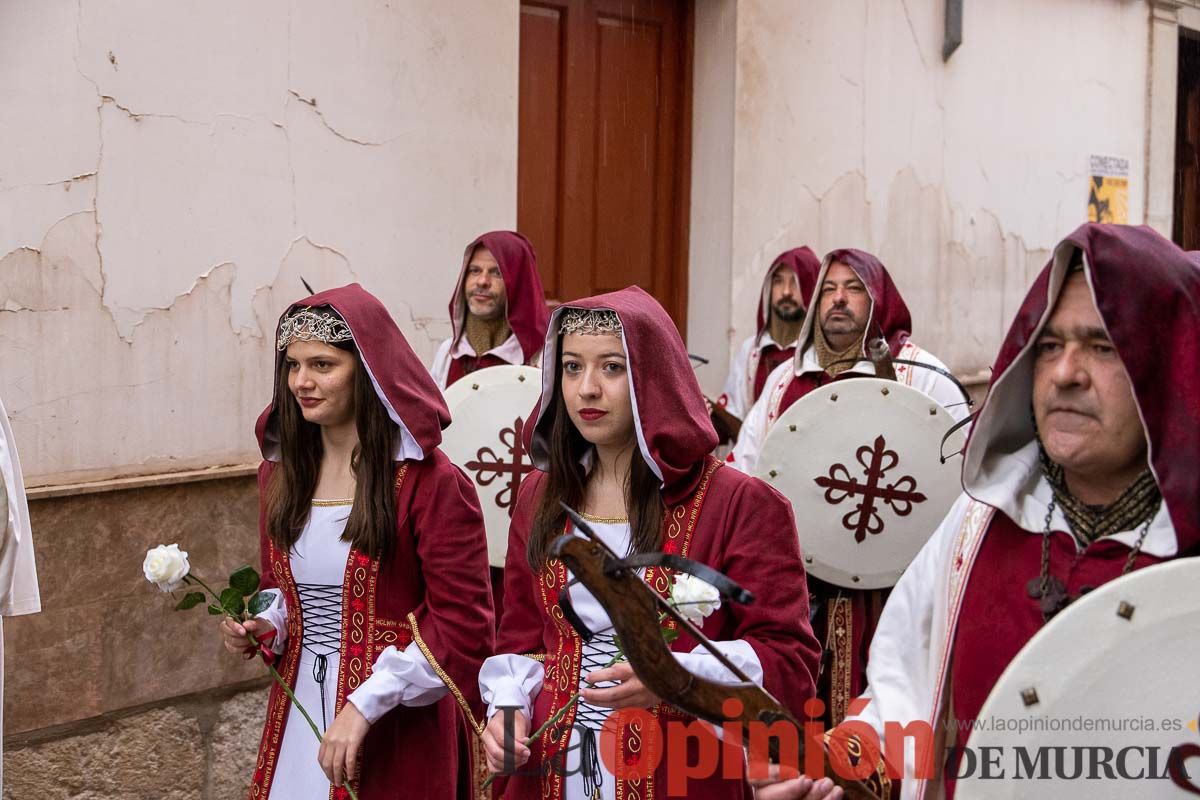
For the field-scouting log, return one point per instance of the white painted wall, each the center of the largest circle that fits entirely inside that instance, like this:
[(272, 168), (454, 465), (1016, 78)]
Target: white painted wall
[(850, 131), (710, 233), (169, 169), (175, 167)]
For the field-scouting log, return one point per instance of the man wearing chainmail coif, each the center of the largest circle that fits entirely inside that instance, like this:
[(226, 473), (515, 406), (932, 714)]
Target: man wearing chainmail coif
[(1081, 468)]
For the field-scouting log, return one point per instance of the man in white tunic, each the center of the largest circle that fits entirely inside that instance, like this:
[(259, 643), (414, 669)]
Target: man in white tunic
[(856, 306), (1080, 468), (786, 293), (856, 320)]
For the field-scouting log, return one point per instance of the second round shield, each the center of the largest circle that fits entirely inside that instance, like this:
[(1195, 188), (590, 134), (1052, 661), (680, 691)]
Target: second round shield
[(861, 462), (488, 409), (1102, 702)]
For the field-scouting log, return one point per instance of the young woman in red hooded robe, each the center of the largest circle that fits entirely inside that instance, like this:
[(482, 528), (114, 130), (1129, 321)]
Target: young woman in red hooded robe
[(622, 434), (374, 544)]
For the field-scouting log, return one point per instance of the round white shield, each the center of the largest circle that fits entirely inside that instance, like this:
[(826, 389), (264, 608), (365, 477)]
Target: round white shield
[(861, 462), (1103, 701), (488, 408)]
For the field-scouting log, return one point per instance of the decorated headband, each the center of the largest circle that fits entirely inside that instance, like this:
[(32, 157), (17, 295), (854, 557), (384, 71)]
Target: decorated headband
[(307, 325), (589, 322)]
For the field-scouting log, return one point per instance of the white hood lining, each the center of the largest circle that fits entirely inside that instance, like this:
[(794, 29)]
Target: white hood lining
[(1000, 462)]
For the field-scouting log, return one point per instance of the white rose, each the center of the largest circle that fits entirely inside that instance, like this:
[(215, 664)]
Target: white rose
[(166, 566), (694, 598)]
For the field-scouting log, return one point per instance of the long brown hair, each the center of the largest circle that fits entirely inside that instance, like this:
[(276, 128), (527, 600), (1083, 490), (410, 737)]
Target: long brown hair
[(566, 481), (371, 527)]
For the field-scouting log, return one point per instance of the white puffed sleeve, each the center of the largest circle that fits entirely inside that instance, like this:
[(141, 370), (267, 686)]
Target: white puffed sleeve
[(510, 681), (399, 678)]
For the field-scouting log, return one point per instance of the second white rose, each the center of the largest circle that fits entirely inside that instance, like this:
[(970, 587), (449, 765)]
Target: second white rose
[(694, 598)]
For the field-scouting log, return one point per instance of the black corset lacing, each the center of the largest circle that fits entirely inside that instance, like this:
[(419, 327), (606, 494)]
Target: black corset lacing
[(321, 606), (589, 719)]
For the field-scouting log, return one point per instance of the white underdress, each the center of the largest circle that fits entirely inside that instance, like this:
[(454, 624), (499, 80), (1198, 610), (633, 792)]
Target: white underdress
[(318, 565)]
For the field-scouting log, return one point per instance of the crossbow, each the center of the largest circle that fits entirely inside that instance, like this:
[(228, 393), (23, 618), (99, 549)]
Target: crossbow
[(634, 609)]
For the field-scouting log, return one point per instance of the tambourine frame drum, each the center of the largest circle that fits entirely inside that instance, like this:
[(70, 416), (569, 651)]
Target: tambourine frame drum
[(861, 462), (488, 408), (1114, 673)]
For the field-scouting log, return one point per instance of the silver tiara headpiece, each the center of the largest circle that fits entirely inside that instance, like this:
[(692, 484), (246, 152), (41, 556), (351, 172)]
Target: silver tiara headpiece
[(589, 321), (307, 325)]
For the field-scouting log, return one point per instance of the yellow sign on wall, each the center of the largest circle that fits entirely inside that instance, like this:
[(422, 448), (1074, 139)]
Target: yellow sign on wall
[(1108, 189)]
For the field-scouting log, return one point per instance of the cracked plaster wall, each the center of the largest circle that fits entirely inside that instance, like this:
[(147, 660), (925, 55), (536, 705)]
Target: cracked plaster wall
[(849, 130), (178, 166)]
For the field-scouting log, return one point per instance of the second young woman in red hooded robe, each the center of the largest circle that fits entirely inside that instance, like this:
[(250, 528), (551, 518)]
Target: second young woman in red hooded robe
[(373, 543), (623, 435)]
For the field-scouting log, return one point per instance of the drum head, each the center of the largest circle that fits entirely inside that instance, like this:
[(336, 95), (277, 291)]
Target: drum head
[(488, 409), (1110, 682), (860, 460)]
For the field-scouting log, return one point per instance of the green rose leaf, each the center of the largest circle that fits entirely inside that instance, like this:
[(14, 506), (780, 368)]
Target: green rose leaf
[(245, 580), (231, 599), (670, 634), (216, 611), (190, 600), (259, 603)]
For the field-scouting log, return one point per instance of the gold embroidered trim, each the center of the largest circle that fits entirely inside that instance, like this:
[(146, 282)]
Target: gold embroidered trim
[(878, 782), (480, 771), (677, 538), (330, 503), (562, 677), (441, 673), (839, 634), (534, 656), (604, 520), (289, 667)]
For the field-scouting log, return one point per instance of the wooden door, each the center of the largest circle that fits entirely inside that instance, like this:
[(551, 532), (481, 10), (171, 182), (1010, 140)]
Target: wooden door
[(604, 145), (1187, 146)]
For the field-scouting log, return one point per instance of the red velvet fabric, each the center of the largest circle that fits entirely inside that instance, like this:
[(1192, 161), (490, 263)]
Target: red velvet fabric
[(998, 616), (438, 574), (672, 415), (866, 606), (1147, 292), (771, 357), (465, 365), (744, 529), (526, 303)]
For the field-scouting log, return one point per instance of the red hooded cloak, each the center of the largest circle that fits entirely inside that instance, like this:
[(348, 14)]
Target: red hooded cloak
[(855, 612), (719, 516), (525, 305), (432, 589), (1148, 296), (803, 262)]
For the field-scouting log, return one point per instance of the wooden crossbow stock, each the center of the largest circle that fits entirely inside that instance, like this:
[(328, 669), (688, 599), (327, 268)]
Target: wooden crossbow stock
[(634, 608)]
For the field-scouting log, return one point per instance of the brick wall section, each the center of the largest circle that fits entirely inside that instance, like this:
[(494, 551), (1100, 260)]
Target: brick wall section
[(200, 747), (111, 693)]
